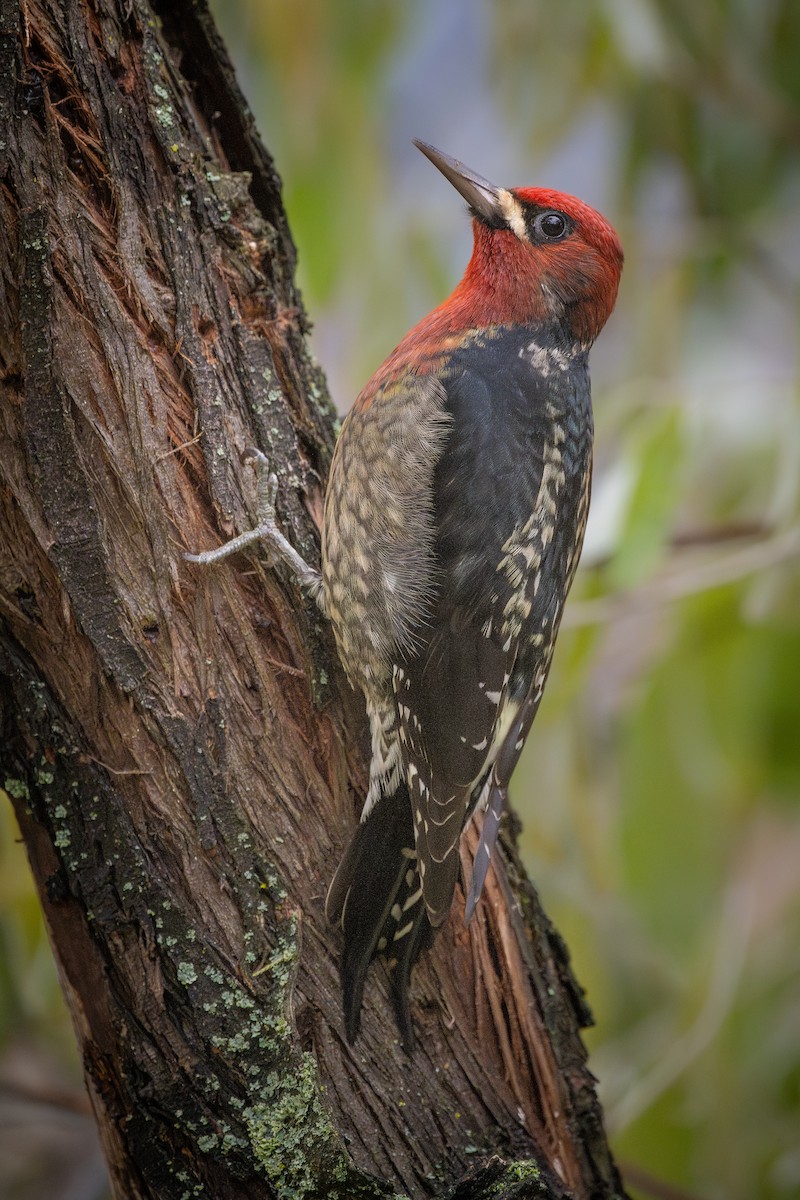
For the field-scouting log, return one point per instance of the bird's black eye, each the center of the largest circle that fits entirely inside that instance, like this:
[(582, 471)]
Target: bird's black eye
[(551, 226)]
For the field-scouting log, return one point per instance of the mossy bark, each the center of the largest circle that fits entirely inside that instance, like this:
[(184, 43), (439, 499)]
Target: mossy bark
[(183, 754)]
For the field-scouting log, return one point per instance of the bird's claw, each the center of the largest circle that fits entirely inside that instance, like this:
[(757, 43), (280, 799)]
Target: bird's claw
[(266, 485), (267, 531), (257, 458), (272, 491)]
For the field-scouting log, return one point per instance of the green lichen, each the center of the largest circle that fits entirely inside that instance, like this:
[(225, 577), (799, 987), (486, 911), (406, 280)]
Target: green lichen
[(230, 1143), (165, 115), (17, 789), (291, 1137), (525, 1171), (186, 973), (237, 1044), (281, 963)]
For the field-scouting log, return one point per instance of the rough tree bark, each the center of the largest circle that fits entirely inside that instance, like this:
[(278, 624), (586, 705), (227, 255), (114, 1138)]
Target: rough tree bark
[(183, 754)]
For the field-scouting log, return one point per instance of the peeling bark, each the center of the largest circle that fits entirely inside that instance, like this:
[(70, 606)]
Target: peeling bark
[(183, 753)]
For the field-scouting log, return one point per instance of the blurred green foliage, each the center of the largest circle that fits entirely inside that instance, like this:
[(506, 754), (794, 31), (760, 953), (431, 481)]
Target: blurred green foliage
[(31, 1006), (660, 790)]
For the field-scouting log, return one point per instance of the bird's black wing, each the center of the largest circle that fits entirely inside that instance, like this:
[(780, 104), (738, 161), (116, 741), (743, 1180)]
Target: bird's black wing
[(507, 509)]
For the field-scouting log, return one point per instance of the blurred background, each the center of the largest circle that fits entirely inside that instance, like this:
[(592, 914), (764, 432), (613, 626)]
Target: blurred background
[(660, 789)]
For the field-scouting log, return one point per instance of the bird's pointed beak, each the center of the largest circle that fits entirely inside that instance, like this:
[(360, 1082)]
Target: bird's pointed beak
[(480, 195)]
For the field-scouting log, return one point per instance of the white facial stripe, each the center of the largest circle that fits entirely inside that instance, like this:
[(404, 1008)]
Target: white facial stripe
[(512, 211)]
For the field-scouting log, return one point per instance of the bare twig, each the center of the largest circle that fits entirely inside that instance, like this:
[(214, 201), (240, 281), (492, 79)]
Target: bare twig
[(677, 584)]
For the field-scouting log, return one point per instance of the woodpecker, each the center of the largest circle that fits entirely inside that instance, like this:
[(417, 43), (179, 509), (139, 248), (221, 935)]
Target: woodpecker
[(453, 522)]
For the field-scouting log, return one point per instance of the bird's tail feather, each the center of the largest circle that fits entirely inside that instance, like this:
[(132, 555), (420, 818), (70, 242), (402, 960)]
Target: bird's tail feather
[(376, 897), (491, 824)]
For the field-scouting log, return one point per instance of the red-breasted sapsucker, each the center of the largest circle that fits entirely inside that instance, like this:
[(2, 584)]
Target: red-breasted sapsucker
[(454, 519)]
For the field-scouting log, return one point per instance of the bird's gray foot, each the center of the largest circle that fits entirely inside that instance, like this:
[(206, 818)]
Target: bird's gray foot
[(266, 531)]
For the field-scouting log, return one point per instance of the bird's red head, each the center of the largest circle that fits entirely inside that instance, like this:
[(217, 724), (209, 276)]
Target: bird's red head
[(539, 256)]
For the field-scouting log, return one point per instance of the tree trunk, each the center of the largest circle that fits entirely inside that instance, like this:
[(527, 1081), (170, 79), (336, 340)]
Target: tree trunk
[(185, 758)]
